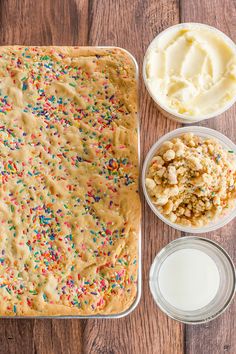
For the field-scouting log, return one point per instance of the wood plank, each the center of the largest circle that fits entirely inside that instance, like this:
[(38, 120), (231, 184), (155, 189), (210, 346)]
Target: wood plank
[(43, 22), (146, 330), (13, 338), (217, 336)]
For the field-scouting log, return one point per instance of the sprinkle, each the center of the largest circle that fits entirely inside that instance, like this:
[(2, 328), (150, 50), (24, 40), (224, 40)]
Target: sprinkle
[(56, 219), (24, 86)]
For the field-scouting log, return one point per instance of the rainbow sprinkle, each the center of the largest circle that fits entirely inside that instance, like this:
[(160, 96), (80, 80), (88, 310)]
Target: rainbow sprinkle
[(69, 181)]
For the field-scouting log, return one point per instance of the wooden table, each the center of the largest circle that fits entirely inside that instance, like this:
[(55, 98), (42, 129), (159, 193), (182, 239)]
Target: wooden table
[(130, 24)]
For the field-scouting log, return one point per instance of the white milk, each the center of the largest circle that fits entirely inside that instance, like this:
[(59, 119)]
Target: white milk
[(189, 279)]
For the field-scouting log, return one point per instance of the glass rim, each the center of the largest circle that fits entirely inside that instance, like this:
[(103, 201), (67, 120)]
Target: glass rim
[(197, 130), (159, 258), (179, 116)]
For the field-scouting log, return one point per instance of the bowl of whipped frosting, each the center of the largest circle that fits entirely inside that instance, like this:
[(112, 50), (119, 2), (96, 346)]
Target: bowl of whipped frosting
[(190, 72)]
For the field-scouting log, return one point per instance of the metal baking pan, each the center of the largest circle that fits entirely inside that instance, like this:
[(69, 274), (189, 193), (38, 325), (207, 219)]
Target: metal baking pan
[(139, 276)]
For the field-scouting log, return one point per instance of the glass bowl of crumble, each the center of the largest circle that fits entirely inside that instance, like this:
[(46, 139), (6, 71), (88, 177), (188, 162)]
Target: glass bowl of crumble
[(189, 179)]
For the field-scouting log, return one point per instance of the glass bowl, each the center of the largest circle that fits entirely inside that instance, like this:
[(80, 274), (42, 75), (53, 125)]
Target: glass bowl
[(215, 224), (167, 111), (226, 289)]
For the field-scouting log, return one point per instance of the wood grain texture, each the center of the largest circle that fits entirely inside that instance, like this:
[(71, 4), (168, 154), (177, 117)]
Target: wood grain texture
[(130, 24), (146, 330), (32, 22), (43, 22), (218, 336)]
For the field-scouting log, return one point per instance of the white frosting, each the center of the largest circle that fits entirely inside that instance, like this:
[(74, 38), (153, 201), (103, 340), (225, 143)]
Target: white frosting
[(192, 70)]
